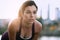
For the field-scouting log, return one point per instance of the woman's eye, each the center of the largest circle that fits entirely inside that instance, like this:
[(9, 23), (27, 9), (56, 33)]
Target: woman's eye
[(28, 12), (34, 12)]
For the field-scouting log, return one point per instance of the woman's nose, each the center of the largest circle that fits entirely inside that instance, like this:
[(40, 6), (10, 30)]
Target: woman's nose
[(32, 14)]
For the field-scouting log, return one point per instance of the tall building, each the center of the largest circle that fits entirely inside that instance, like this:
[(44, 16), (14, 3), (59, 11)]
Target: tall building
[(57, 13), (48, 12)]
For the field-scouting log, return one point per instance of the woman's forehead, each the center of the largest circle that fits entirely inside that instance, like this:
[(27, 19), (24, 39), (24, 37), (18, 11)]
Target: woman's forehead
[(33, 8)]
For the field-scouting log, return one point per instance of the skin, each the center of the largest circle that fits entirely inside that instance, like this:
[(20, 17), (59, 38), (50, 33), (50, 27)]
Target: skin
[(29, 16)]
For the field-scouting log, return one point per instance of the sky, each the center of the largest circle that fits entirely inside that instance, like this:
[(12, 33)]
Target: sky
[(9, 8), (43, 5)]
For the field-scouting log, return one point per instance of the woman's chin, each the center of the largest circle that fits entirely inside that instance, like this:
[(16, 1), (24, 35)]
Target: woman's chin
[(30, 22)]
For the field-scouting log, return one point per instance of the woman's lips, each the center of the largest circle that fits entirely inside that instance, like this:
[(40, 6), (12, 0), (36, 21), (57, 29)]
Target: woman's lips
[(31, 19)]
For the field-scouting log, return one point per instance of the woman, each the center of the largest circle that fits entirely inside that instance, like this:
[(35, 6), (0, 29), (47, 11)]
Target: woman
[(25, 27)]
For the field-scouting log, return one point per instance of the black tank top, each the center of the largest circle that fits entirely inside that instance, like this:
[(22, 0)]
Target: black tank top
[(18, 34), (6, 37)]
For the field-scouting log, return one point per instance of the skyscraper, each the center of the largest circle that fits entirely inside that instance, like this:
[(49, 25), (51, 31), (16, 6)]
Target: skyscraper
[(57, 13)]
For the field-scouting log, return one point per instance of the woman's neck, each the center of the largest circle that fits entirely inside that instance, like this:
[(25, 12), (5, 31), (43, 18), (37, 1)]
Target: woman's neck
[(26, 25)]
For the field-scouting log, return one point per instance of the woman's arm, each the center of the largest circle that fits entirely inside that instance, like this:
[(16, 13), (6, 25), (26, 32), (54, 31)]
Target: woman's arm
[(11, 31), (36, 36), (38, 28)]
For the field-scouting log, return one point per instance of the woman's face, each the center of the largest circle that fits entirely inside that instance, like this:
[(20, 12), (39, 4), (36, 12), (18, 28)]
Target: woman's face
[(29, 14)]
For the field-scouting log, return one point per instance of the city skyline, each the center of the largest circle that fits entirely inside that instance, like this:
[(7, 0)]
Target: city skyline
[(9, 8)]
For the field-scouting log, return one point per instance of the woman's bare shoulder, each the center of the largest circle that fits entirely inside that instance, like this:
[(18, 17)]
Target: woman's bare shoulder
[(14, 24), (38, 23), (38, 26)]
